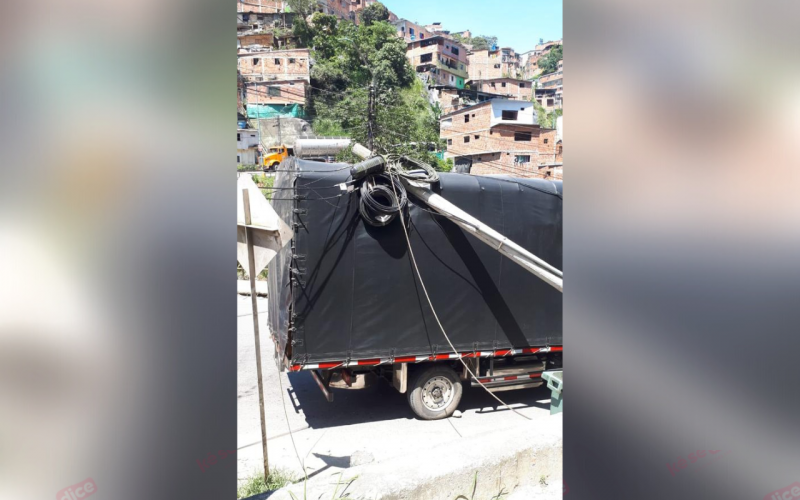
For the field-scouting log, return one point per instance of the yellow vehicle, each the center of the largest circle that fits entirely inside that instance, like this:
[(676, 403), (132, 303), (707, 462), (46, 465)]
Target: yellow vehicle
[(275, 155)]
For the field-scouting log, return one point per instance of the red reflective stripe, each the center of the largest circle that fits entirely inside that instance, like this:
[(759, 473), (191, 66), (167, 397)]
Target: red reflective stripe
[(330, 365), (369, 361), (295, 368), (557, 349), (484, 380), (513, 377), (534, 375), (439, 356), (502, 352), (407, 359)]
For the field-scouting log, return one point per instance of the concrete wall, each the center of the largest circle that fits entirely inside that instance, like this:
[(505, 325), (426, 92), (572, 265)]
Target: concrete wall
[(246, 138)]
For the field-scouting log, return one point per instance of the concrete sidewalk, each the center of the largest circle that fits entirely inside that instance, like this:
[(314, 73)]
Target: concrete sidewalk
[(523, 461), (373, 425)]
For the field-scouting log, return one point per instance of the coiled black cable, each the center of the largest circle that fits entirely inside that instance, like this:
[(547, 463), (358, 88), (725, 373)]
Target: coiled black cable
[(379, 205)]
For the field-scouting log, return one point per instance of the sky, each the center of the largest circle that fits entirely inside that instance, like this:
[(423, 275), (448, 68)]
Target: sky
[(516, 23)]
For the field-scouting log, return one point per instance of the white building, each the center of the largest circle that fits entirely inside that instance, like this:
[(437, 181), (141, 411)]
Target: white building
[(247, 146)]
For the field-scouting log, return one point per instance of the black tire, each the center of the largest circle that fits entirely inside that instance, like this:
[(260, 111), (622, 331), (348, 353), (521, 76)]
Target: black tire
[(430, 387)]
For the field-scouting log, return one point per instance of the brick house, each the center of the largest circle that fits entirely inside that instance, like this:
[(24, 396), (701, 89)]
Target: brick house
[(440, 61), (261, 6), (411, 32), (500, 136), (531, 67), (277, 92), (492, 64), (279, 65), (262, 31), (511, 88), (451, 99), (554, 81)]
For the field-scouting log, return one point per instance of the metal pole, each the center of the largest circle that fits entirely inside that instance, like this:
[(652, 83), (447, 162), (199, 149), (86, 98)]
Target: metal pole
[(371, 118), (254, 300)]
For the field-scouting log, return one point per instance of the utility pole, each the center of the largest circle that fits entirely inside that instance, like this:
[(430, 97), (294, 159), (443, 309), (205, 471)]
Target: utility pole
[(251, 271), (280, 135), (371, 116)]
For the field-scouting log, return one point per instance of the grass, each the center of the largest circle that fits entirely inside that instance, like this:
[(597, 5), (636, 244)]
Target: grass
[(256, 484)]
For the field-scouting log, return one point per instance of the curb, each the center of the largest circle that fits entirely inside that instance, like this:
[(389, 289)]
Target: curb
[(503, 462)]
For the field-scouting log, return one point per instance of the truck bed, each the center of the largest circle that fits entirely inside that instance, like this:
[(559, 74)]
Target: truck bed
[(344, 290)]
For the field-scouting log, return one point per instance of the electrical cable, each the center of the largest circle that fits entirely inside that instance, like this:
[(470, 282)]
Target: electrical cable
[(436, 316), (382, 198)]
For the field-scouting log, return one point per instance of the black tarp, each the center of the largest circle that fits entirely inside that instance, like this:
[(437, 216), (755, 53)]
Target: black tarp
[(352, 290)]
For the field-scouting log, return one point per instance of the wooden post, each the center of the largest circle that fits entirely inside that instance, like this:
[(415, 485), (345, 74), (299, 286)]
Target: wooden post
[(254, 300)]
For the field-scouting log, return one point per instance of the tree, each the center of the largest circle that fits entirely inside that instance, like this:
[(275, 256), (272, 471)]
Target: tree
[(301, 29), (348, 60), (549, 63), (373, 13), (483, 42), (302, 7)]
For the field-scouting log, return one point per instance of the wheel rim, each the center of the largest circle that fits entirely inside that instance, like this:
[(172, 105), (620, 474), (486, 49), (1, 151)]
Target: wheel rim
[(438, 393)]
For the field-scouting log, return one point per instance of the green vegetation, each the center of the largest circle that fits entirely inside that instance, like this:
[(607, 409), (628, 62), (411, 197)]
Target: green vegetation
[(348, 60), (478, 42), (256, 484), (549, 63), (374, 13), (546, 120)]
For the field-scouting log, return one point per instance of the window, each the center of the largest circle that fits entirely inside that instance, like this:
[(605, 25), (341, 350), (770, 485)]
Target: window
[(522, 85), (466, 138), (550, 102), (454, 50), (466, 118), (449, 142), (277, 62), (238, 137), (245, 17), (509, 115), (503, 84), (477, 137), (273, 91), (238, 159), (426, 58), (496, 66), (411, 31), (255, 61), (545, 141), (522, 159), (522, 136), (291, 60), (422, 36), (559, 148)]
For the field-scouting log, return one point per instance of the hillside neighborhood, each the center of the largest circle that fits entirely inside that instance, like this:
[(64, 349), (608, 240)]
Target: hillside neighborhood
[(494, 109)]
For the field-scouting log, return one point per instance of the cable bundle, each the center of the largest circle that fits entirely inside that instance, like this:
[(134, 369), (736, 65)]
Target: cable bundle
[(379, 205)]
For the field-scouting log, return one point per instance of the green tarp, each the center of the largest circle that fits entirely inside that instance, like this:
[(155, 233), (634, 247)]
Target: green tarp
[(275, 110)]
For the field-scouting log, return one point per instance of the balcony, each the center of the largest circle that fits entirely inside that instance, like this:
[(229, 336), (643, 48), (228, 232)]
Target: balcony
[(459, 73)]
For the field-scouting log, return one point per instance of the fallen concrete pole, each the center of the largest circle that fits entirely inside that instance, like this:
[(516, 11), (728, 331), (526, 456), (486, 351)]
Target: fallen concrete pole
[(530, 262), (494, 239)]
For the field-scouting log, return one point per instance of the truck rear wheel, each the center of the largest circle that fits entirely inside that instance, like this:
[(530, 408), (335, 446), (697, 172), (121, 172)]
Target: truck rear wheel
[(435, 392)]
